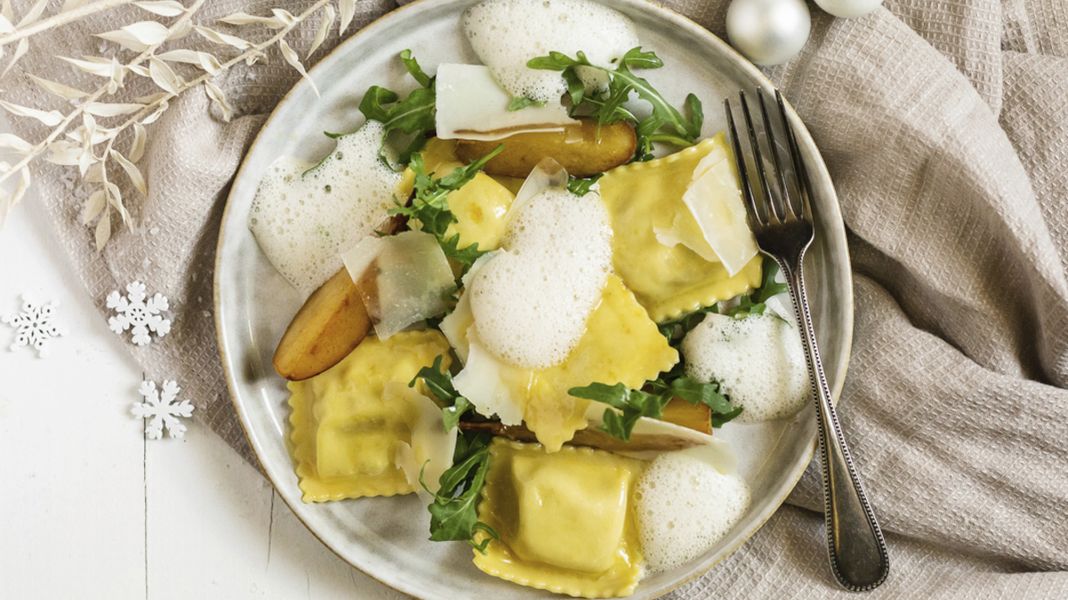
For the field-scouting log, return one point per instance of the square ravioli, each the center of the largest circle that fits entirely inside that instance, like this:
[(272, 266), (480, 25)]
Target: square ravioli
[(644, 197), (621, 344), (564, 519), (345, 431)]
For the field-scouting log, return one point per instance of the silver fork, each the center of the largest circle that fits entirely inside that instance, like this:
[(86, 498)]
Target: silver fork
[(781, 220)]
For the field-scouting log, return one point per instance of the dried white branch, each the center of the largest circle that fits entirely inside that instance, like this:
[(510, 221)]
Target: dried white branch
[(58, 20), (58, 89), (163, 8), (60, 127), (138, 36), (329, 14), (75, 147)]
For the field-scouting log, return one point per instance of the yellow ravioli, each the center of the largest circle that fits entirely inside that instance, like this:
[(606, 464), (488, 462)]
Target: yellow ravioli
[(345, 431), (479, 206), (621, 344), (669, 281), (564, 520)]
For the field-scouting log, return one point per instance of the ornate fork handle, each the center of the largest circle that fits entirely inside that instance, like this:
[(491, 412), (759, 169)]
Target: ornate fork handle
[(855, 541), (780, 217)]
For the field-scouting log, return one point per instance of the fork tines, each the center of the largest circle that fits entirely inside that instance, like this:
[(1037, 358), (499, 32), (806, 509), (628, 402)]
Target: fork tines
[(788, 200)]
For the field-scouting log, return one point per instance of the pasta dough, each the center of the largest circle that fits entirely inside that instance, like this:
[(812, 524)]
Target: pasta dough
[(564, 520), (621, 344), (479, 206), (347, 429), (646, 197)]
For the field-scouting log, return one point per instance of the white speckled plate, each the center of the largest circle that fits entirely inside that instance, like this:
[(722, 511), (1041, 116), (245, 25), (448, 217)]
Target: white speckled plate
[(386, 537)]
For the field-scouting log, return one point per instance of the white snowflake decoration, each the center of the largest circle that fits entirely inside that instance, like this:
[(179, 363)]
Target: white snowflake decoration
[(138, 313), (162, 409), (34, 325)]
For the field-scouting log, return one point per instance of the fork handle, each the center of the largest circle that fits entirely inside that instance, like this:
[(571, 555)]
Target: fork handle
[(858, 555)]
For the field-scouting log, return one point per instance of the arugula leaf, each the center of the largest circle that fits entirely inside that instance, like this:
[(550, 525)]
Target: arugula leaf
[(696, 114), (521, 102), (745, 308), (755, 302), (439, 382), (451, 414), (666, 123), (414, 69), (557, 61), (466, 256), (633, 404), (580, 186), (677, 329), (636, 58), (575, 88), (650, 401), (414, 114), (454, 510), (697, 392), (431, 208), (412, 117), (750, 304), (768, 286), (619, 425), (375, 101)]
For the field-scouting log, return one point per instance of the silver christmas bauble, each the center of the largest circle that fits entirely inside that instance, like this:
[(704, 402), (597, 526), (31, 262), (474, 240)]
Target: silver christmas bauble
[(768, 32), (849, 8)]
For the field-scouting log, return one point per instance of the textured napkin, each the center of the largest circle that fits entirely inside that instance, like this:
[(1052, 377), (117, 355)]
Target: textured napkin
[(945, 126)]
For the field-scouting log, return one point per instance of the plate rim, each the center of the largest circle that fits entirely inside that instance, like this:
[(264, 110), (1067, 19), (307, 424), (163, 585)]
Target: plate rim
[(670, 15)]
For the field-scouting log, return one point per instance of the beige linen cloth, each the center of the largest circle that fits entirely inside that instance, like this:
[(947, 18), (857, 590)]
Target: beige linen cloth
[(945, 126)]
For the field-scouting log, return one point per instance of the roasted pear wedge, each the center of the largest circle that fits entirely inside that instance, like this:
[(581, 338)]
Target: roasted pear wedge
[(582, 148), (677, 412), (694, 416), (332, 322)]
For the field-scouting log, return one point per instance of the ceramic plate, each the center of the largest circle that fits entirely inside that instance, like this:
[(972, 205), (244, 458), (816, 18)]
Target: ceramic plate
[(387, 537)]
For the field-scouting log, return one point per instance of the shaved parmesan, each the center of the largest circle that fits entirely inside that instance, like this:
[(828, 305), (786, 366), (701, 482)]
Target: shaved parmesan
[(456, 324), (482, 381), (472, 106), (432, 447), (710, 450), (716, 227), (547, 175), (403, 279)]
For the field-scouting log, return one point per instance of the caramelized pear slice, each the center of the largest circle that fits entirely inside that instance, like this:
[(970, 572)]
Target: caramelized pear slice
[(332, 322), (583, 149), (592, 438), (694, 416)]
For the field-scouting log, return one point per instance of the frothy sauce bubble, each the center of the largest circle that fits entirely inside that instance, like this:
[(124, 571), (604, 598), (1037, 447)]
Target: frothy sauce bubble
[(531, 301), (683, 507), (758, 361), (303, 219), (507, 33)]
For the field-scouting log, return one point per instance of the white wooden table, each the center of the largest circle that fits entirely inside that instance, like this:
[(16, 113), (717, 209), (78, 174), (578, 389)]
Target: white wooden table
[(89, 509)]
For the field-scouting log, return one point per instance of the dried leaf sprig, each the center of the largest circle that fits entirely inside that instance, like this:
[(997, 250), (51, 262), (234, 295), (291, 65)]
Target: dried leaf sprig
[(91, 145)]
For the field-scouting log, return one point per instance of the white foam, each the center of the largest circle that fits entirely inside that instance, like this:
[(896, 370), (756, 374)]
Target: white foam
[(758, 361), (683, 507), (303, 221), (507, 33), (531, 301)]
